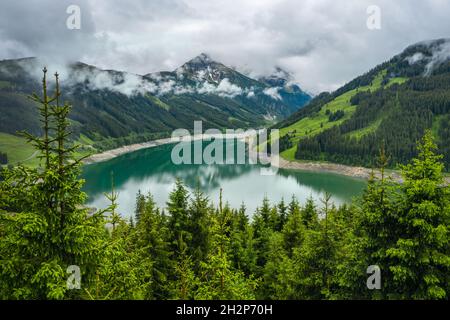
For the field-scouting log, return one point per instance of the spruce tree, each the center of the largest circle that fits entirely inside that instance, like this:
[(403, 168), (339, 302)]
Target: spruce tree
[(139, 207), (179, 222), (279, 272), (405, 228), (294, 206), (316, 259), (263, 226), (218, 279), (293, 232), (309, 214), (242, 242), (152, 244), (115, 217), (419, 259), (282, 213), (198, 227), (45, 226), (185, 279)]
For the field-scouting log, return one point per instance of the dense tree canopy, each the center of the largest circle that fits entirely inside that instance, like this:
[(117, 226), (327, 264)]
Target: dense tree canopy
[(195, 250), (396, 116)]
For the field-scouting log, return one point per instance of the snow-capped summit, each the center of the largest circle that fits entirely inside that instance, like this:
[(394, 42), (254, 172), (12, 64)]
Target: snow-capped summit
[(278, 78), (204, 68), (202, 75), (202, 58)]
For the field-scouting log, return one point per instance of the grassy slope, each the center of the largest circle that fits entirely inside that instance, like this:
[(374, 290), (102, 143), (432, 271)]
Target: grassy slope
[(358, 134), (19, 151), (314, 125), (398, 80), (158, 102)]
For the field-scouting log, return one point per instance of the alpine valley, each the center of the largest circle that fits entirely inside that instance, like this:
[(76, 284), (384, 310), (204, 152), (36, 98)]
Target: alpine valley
[(113, 108), (97, 202)]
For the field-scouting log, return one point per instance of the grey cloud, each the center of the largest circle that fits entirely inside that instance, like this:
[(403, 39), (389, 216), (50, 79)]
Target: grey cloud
[(225, 88), (39, 29), (323, 43), (131, 84), (273, 93), (439, 55)]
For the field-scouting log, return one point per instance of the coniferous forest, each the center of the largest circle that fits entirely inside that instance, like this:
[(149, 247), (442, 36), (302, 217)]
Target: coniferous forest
[(194, 250), (395, 115)]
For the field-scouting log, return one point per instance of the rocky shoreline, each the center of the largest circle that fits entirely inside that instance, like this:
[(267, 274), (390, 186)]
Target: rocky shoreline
[(350, 171), (113, 153)]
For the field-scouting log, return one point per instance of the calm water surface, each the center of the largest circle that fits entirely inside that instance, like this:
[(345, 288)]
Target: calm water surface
[(151, 170)]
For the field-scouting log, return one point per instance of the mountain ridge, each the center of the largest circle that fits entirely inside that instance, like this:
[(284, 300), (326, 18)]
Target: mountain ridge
[(113, 108), (391, 105)]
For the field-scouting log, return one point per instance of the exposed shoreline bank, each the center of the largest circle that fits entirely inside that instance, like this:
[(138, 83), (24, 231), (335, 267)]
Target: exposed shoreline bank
[(345, 170), (113, 153), (340, 169)]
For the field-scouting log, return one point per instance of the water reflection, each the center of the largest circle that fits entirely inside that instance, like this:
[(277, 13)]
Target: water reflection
[(151, 170)]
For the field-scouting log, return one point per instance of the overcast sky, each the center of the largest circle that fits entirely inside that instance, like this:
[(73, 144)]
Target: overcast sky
[(323, 43)]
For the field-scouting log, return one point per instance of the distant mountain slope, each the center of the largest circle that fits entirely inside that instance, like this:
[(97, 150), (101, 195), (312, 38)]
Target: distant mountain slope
[(112, 108), (206, 77), (281, 84), (393, 104)]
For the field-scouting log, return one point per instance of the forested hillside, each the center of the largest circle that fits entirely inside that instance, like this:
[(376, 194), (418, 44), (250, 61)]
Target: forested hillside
[(116, 108), (390, 106)]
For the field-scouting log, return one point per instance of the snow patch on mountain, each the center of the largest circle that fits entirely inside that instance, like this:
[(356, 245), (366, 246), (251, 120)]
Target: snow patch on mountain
[(224, 89), (272, 92)]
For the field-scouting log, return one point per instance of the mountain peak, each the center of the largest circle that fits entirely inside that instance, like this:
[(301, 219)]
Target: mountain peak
[(279, 77), (281, 73), (203, 67), (202, 58), (201, 61)]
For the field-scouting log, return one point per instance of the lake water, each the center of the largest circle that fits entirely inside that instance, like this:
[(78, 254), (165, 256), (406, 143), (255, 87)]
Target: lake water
[(151, 170)]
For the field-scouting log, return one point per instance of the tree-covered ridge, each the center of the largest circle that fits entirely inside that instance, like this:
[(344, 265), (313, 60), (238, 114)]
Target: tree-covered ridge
[(193, 250), (412, 96), (396, 116), (325, 118)]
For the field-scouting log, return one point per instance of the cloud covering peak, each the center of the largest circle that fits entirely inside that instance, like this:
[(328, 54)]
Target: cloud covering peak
[(322, 43)]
